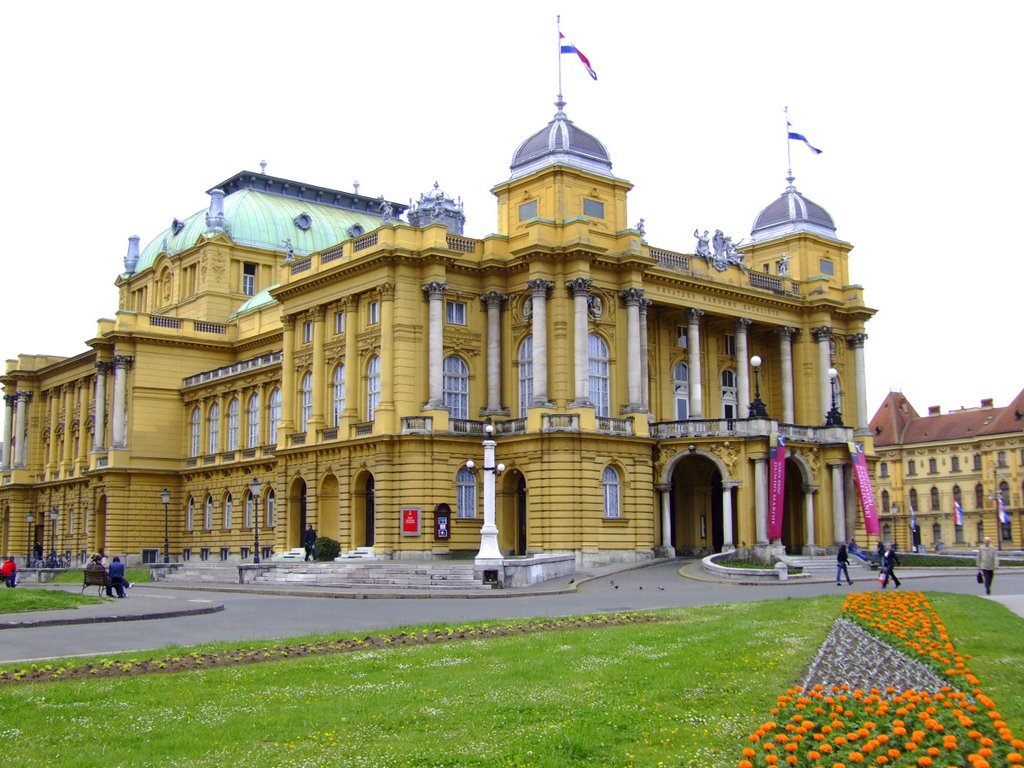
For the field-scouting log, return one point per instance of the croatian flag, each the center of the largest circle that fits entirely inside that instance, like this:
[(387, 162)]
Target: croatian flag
[(958, 513), (567, 47), (793, 135), (1004, 516)]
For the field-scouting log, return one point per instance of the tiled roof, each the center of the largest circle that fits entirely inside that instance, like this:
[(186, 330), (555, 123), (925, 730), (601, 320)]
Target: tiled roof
[(897, 422)]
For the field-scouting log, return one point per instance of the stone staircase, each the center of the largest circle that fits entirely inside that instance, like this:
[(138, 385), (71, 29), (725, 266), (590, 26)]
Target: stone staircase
[(825, 564)]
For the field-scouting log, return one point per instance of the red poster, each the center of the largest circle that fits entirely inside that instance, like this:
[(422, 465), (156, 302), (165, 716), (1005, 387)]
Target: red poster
[(776, 488), (410, 521), (863, 480)]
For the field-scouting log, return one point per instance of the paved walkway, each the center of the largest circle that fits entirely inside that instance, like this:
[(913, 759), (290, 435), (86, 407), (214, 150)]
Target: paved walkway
[(171, 600)]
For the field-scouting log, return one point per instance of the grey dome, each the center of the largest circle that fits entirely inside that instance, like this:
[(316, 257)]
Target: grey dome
[(561, 143), (792, 212)]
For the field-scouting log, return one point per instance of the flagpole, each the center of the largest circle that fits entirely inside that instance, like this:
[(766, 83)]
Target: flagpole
[(558, 51), (789, 159)]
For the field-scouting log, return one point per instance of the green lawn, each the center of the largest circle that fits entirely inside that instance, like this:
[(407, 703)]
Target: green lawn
[(24, 599), (74, 576), (685, 691)]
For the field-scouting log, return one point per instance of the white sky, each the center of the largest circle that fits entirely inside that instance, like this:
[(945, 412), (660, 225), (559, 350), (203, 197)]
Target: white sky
[(118, 117)]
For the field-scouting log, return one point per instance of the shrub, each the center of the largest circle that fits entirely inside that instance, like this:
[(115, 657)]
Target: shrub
[(326, 549)]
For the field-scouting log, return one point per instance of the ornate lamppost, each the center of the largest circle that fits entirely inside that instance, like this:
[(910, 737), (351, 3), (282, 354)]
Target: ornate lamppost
[(54, 516), (833, 418), (757, 408), (254, 489), (165, 497), (489, 550), (29, 519)]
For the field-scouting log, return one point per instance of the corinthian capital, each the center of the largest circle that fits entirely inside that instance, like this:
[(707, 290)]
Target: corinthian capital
[(435, 289), (631, 296), (539, 287), (821, 333), (856, 340), (579, 286)]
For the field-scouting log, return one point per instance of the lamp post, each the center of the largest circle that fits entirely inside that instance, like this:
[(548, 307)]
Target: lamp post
[(29, 519), (254, 489), (489, 550), (833, 418), (165, 497), (757, 408), (54, 515)]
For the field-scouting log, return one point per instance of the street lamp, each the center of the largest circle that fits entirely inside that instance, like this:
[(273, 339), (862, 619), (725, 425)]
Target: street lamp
[(489, 550), (165, 497), (757, 408), (254, 489), (54, 515), (834, 418), (29, 519)]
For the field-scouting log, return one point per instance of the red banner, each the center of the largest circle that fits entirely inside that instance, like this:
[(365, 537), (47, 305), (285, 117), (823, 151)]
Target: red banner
[(863, 480), (776, 488), (410, 521)]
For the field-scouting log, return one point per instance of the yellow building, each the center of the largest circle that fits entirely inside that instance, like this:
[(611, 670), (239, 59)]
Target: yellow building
[(971, 457), (349, 360)]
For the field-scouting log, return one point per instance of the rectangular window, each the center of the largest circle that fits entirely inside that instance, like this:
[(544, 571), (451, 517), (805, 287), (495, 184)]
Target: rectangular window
[(186, 554), (307, 332), (249, 279), (954, 463), (681, 338), (456, 312), (826, 267), (1001, 459), (977, 462), (374, 312), (150, 556), (932, 466), (223, 553), (339, 323), (528, 211), (883, 469), (730, 345), (911, 467), (593, 209), (204, 553), (243, 553)]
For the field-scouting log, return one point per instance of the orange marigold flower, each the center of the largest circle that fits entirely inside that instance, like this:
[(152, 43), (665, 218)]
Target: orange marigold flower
[(791, 747), (748, 752), (772, 759), (813, 754), (924, 762), (744, 764), (855, 757), (1015, 758), (792, 759)]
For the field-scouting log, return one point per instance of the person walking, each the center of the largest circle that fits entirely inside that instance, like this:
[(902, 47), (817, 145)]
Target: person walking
[(988, 561), (843, 565), (889, 562), (9, 572), (309, 541)]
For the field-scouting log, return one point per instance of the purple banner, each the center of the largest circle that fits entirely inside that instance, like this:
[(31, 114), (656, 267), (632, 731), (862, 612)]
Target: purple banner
[(776, 489), (863, 480)]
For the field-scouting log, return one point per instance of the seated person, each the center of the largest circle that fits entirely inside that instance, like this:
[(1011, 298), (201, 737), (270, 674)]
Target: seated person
[(9, 572), (117, 579), (96, 564)]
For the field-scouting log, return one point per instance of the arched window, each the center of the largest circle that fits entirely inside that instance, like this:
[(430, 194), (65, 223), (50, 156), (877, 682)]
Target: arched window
[(275, 415), (270, 505), (307, 400), (208, 513), (981, 531), (190, 514), (372, 387), (936, 533), (525, 358), (227, 512), (885, 501), (913, 500), (610, 481), (195, 430), (934, 493), (1004, 492), (956, 495), (456, 387), (597, 351), (214, 428), (233, 425), (339, 393), (681, 390), (248, 508), (465, 494), (729, 395), (253, 427), (886, 532), (979, 497)]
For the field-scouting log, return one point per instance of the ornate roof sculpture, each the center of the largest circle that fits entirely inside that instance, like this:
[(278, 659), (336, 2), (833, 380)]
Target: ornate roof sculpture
[(561, 143), (435, 205), (790, 213)]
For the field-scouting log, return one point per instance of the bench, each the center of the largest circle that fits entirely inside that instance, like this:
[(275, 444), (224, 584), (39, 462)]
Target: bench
[(96, 578)]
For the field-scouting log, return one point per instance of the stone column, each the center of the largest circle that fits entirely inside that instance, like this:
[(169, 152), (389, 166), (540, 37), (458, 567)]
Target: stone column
[(317, 419), (728, 544), (631, 298), (51, 453), (119, 408), (693, 363), (385, 413), (823, 335), (838, 504), (856, 343), (786, 361), (539, 289), (286, 426), (645, 373), (5, 460), (809, 491), (99, 441), (352, 372), (579, 289), (761, 500), (83, 419), (21, 428), (494, 302), (435, 344), (742, 368), (69, 421), (666, 519)]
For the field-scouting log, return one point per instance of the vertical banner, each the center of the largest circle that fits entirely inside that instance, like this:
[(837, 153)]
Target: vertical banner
[(863, 480), (776, 486)]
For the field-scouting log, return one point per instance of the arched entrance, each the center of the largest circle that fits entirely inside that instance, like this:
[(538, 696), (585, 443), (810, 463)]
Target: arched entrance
[(794, 526), (363, 512), (296, 513), (511, 514), (696, 505), (327, 509)]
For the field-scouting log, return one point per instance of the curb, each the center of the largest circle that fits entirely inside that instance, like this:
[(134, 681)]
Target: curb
[(70, 620)]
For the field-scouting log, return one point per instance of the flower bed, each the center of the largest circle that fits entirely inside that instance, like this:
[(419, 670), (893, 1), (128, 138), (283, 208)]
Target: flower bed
[(837, 726)]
